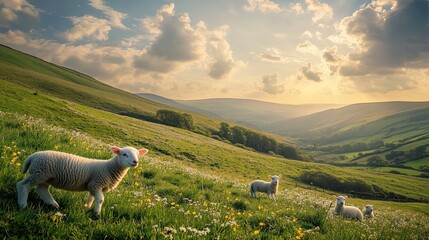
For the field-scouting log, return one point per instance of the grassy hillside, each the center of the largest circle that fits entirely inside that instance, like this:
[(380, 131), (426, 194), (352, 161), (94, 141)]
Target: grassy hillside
[(401, 132), (166, 199), (44, 77), (188, 186)]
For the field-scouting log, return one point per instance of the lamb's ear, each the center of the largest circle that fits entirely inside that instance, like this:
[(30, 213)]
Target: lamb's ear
[(143, 151), (270, 177), (115, 149)]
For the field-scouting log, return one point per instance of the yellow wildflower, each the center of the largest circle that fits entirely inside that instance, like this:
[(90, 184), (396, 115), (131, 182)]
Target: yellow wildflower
[(18, 164), (256, 232), (14, 154), (56, 147), (261, 224)]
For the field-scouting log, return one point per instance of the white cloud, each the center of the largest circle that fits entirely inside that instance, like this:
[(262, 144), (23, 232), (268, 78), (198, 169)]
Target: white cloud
[(307, 73), (268, 6), (177, 44), (87, 27), (9, 10), (262, 5), (114, 16), (308, 47), (271, 84), (307, 34), (321, 11), (273, 55)]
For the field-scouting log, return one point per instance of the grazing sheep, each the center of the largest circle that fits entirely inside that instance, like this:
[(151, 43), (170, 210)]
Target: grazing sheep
[(349, 212), (75, 173), (368, 211), (270, 188)]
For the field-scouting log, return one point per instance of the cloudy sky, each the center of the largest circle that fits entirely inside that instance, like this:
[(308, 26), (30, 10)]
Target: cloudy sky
[(294, 52)]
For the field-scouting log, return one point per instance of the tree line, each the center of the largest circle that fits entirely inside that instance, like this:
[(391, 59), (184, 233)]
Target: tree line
[(256, 141), (175, 119)]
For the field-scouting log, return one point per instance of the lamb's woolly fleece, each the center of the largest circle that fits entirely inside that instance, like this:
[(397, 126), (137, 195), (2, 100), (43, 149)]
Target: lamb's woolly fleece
[(75, 173), (349, 212), (270, 188)]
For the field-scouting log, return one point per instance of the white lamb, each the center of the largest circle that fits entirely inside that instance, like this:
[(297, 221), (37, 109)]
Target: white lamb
[(368, 211), (349, 212), (75, 173), (270, 188)]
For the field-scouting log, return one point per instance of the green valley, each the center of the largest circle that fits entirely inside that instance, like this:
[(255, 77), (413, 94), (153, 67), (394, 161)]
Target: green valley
[(190, 185)]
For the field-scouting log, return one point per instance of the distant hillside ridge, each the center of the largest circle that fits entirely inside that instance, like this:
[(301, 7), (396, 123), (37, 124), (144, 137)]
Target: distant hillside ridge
[(330, 121), (248, 112)]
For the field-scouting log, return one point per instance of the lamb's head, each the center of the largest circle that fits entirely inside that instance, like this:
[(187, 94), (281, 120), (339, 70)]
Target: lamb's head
[(274, 179), (129, 156), (368, 209), (341, 200)]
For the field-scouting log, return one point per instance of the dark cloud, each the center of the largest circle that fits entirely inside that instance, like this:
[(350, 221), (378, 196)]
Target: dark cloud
[(176, 43), (271, 84), (388, 40), (308, 73)]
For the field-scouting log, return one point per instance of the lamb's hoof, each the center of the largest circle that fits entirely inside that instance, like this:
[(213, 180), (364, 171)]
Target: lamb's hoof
[(94, 216)]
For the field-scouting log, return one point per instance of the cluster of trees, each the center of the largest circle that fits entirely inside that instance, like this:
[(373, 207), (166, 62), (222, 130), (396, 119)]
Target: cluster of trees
[(175, 119), (257, 141), (377, 161), (354, 186), (353, 147), (406, 156)]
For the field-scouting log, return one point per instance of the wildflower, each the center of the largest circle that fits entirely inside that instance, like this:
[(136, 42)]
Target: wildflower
[(172, 203), (14, 154), (261, 224), (18, 164), (256, 232), (56, 147), (234, 229)]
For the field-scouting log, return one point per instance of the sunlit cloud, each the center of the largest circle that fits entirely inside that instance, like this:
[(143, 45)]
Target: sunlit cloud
[(308, 47), (321, 11), (87, 27), (273, 55), (115, 17), (267, 6)]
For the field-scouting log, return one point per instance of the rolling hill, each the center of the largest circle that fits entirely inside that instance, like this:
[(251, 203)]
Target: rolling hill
[(187, 181), (335, 120), (248, 112)]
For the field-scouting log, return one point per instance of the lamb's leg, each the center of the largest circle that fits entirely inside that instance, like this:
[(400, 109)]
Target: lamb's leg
[(44, 194), (90, 200), (22, 189), (274, 197), (99, 199)]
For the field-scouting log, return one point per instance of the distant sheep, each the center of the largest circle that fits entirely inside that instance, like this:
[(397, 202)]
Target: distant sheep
[(349, 212), (75, 173), (270, 188), (368, 211)]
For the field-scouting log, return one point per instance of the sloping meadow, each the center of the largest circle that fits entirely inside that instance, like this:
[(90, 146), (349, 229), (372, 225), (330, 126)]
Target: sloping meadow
[(168, 199)]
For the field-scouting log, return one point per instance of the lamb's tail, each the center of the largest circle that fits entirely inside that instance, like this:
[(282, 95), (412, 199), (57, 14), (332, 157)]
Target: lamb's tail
[(27, 164)]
